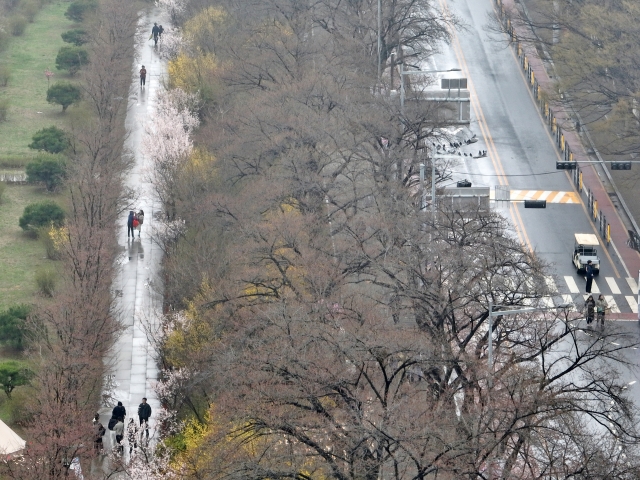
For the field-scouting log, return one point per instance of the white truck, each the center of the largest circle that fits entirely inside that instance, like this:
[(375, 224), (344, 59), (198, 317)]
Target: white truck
[(584, 250)]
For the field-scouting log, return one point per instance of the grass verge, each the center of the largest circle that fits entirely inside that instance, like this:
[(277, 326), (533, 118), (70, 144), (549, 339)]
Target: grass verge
[(27, 58), (20, 255)]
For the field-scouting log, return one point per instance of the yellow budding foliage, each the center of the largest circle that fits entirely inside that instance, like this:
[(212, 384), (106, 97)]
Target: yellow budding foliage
[(202, 29), (188, 339), (59, 236), (200, 166), (193, 74)]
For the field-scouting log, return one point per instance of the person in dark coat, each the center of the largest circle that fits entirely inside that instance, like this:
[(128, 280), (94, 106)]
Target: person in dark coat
[(590, 306), (589, 273), (143, 76), (119, 412), (130, 224), (155, 31), (144, 412)]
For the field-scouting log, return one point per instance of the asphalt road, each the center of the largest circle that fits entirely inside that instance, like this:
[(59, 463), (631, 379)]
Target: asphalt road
[(522, 156)]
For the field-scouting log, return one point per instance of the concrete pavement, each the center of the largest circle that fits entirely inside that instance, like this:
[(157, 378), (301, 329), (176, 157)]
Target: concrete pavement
[(132, 366)]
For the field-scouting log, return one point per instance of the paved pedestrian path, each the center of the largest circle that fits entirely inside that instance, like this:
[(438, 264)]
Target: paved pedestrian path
[(132, 365)]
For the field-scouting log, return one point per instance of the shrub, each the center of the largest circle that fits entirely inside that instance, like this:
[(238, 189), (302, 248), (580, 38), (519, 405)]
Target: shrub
[(14, 161), (63, 93), (4, 108), (77, 37), (53, 239), (46, 279), (71, 59), (17, 25), (47, 169), (42, 213), (12, 326), (5, 75), (51, 139), (80, 8), (13, 374)]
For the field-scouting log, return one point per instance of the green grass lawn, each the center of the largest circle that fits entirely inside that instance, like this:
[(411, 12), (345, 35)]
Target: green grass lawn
[(20, 255), (28, 56)]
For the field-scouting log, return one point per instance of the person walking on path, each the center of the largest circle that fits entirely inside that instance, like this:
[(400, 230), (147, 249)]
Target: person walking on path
[(99, 432), (144, 412), (132, 435), (119, 412), (143, 76), (140, 221), (601, 309), (155, 31), (119, 431), (589, 273), (160, 31), (130, 224), (590, 306)]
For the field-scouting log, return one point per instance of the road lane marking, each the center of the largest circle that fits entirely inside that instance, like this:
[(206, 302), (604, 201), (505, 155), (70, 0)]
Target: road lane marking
[(544, 195), (549, 196), (566, 298), (613, 285), (632, 285), (594, 286), (571, 283), (611, 303), (633, 303)]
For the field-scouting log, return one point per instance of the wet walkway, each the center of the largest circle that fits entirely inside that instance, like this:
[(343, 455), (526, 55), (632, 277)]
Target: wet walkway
[(137, 287)]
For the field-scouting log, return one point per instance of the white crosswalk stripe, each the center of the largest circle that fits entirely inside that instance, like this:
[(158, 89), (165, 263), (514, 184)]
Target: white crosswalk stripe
[(633, 285), (613, 307), (594, 286), (571, 283), (633, 303), (566, 298), (548, 302), (613, 285)]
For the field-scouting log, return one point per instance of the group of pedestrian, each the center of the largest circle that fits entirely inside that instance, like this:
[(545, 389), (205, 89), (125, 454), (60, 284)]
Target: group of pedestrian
[(134, 222), (594, 308), (116, 424)]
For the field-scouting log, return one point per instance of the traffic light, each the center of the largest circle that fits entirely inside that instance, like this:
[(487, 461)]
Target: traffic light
[(620, 165), (566, 165), (535, 204)]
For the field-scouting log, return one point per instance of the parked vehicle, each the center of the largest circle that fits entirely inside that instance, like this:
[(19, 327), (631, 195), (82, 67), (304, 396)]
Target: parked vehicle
[(584, 250)]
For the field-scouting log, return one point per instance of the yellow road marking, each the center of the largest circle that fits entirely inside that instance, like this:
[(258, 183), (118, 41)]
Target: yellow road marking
[(550, 197)]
